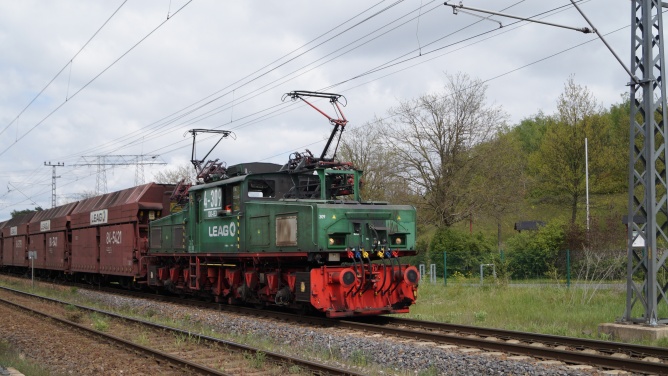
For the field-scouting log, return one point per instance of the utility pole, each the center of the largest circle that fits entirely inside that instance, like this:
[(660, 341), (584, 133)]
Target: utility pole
[(102, 161), (53, 180)]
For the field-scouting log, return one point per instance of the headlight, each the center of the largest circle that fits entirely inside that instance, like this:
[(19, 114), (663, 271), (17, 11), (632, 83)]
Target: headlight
[(398, 240), (337, 240)]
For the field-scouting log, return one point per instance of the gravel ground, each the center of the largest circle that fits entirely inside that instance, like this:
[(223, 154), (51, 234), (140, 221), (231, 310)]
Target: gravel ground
[(68, 352), (404, 357)]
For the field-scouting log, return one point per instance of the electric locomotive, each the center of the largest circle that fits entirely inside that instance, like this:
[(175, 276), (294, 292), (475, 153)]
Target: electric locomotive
[(296, 235)]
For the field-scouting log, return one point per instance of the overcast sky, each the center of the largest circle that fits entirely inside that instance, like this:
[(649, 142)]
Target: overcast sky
[(89, 78)]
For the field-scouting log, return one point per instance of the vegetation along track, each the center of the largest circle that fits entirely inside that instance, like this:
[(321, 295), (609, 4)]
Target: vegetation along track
[(191, 352)]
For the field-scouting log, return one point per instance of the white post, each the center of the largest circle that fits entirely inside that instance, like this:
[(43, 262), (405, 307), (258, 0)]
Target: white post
[(481, 271), (32, 266), (587, 179)]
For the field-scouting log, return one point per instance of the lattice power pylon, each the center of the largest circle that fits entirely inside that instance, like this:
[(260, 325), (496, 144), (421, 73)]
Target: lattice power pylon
[(53, 180), (103, 161), (648, 211)]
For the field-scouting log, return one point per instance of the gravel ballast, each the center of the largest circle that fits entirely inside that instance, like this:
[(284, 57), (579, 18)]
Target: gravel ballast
[(401, 356)]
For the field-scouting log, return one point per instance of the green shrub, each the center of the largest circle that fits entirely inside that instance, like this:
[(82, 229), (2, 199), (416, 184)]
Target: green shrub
[(534, 253), (465, 252), (422, 246)]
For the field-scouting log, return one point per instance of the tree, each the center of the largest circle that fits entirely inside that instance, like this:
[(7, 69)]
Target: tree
[(559, 163), (619, 116), (434, 136), (530, 132), (16, 213), (499, 181), (176, 174), (363, 147)]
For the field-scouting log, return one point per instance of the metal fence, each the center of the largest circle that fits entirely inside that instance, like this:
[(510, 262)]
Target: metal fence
[(563, 267)]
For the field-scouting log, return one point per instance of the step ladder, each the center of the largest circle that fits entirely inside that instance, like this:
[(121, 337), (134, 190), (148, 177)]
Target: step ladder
[(193, 276)]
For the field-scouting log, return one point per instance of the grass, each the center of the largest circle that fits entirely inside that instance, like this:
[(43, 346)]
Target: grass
[(100, 322), (142, 339), (256, 360), (359, 358), (546, 309)]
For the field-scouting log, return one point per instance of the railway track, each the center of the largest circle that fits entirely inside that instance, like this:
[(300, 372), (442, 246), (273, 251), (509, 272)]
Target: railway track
[(599, 354), (190, 352)]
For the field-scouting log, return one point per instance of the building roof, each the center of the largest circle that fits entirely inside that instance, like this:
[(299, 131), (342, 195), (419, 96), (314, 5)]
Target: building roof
[(529, 225)]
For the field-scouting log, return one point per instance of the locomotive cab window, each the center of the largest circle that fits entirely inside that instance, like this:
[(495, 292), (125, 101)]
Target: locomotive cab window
[(261, 188), (236, 197)]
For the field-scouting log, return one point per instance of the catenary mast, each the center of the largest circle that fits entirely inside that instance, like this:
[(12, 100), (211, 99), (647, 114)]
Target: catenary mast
[(648, 200)]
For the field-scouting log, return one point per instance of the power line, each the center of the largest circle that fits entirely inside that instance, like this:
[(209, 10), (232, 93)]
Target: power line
[(276, 82), (247, 123), (93, 79), (180, 114), (386, 66), (283, 110), (117, 160), (69, 63)]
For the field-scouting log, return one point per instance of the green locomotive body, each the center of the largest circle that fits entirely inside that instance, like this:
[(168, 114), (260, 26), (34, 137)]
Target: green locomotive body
[(263, 235)]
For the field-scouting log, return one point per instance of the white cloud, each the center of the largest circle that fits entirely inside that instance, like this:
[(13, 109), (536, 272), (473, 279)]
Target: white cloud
[(229, 48)]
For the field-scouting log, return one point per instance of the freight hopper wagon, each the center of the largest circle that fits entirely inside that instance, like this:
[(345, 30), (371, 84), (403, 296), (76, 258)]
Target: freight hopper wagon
[(102, 239), (267, 234), (15, 241), (109, 234)]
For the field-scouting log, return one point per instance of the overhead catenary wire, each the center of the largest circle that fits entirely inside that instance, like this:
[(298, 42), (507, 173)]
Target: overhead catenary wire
[(349, 47), (92, 80), (275, 112), (432, 42), (366, 19), (69, 63), (286, 78), (265, 70), (384, 66), (356, 77)]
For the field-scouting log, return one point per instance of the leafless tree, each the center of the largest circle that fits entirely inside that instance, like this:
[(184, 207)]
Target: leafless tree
[(174, 175), (364, 146), (434, 138)]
